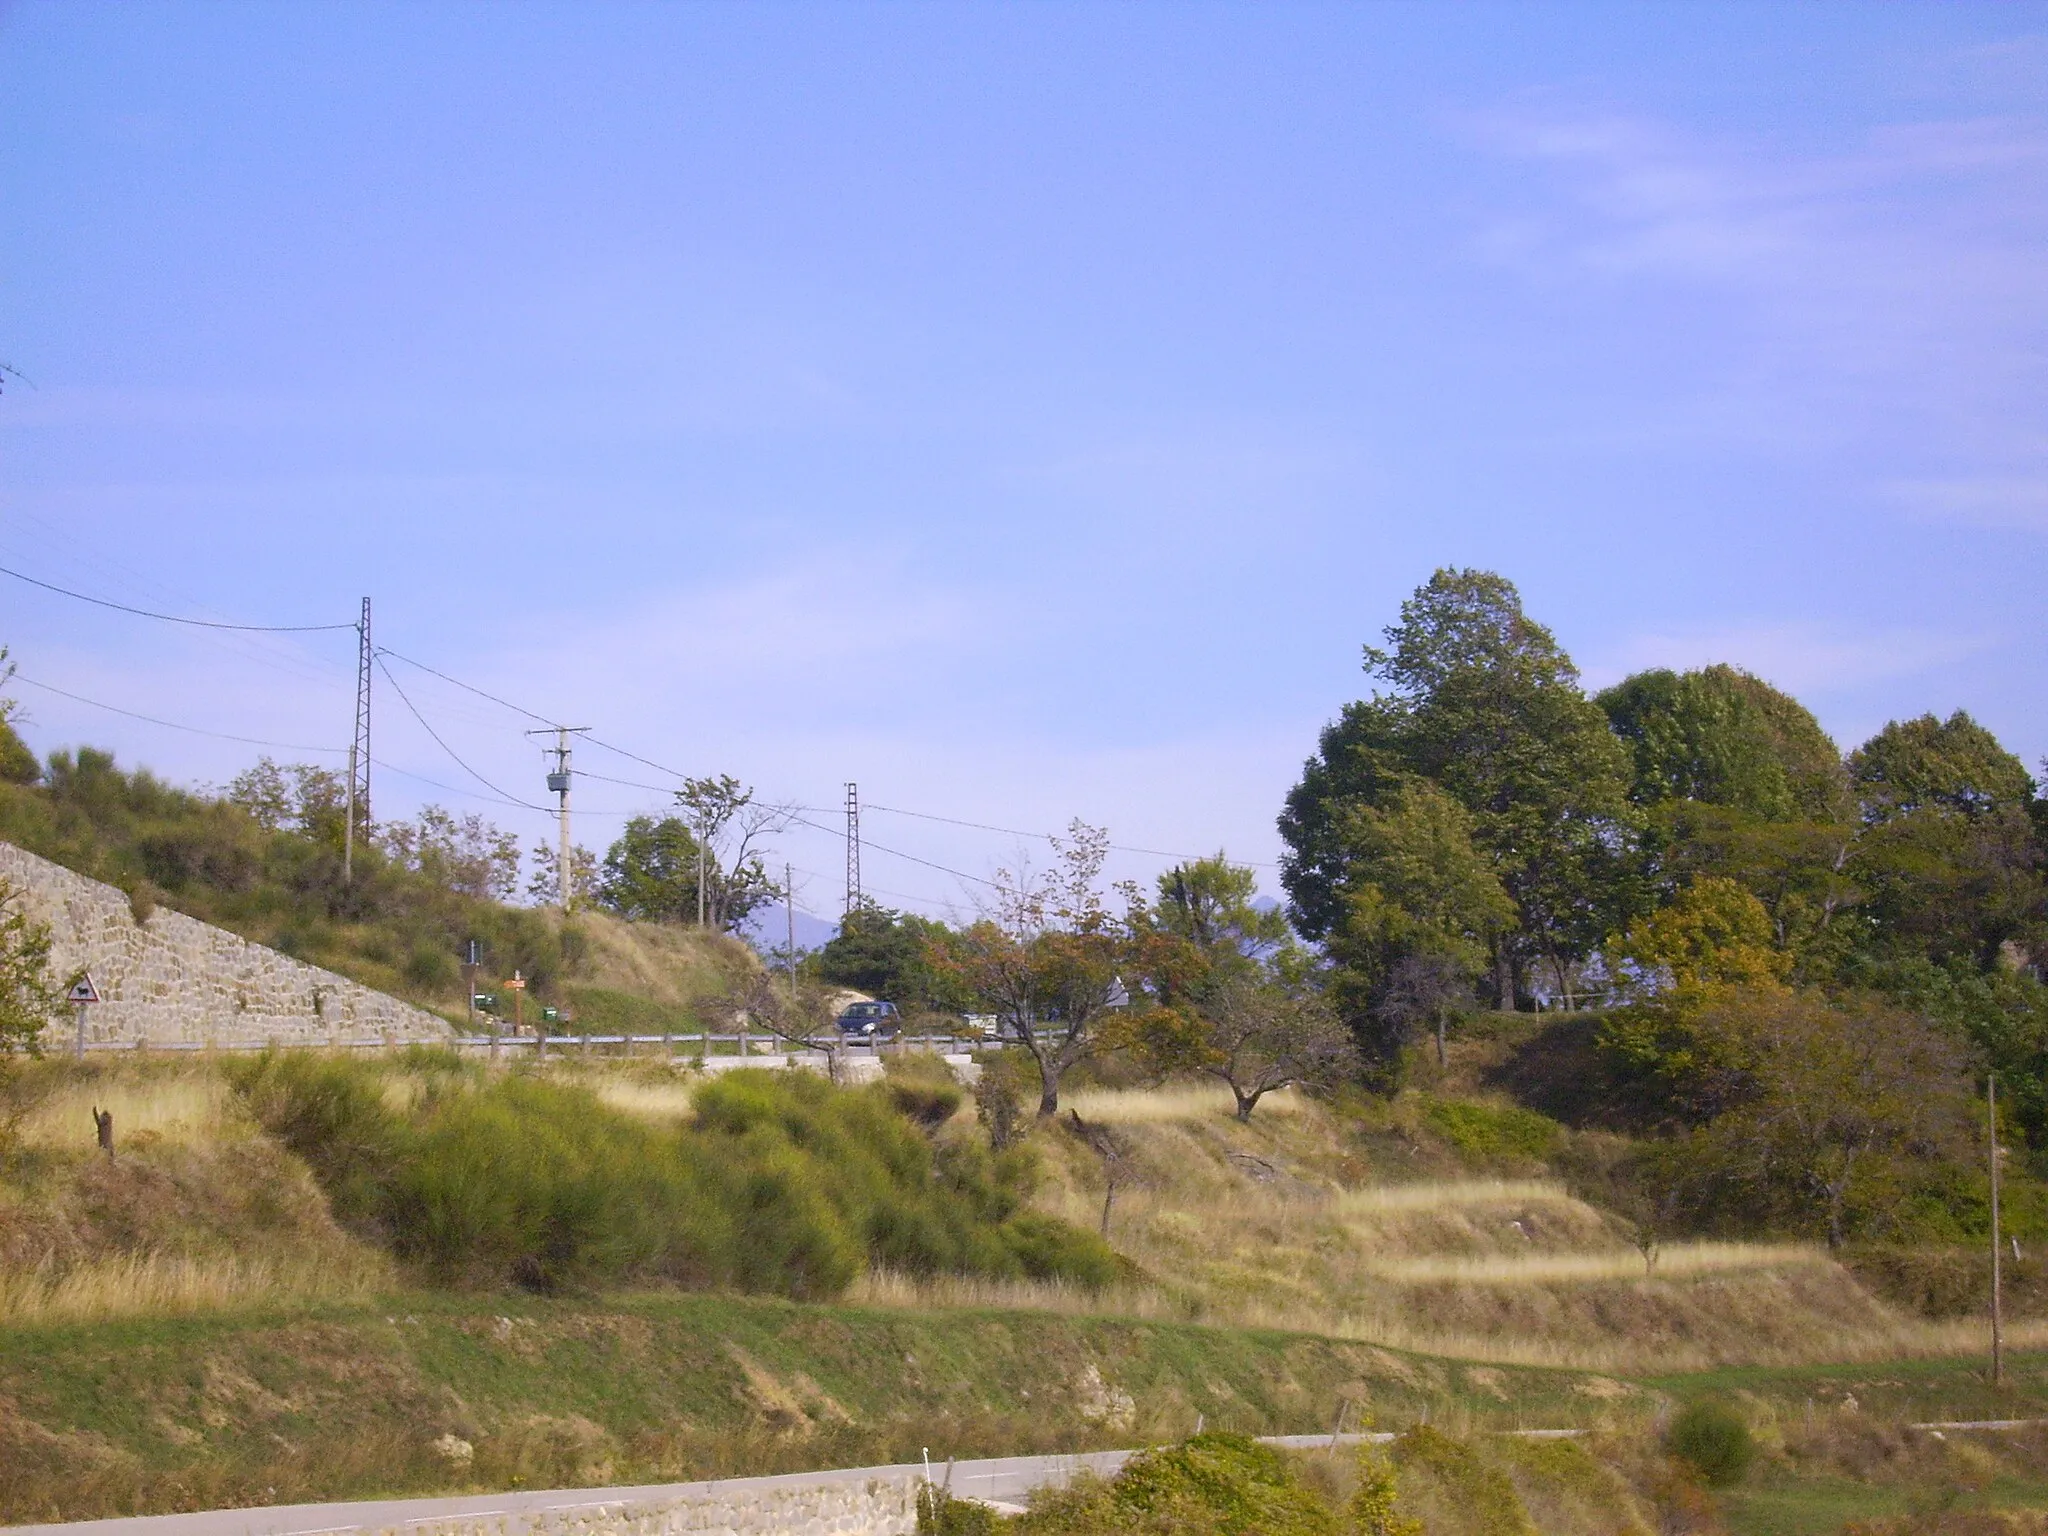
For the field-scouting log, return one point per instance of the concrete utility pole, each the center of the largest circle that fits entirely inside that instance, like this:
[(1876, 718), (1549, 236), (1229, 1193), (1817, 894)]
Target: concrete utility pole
[(558, 784), (700, 872), (789, 911), (358, 797), (1997, 1300)]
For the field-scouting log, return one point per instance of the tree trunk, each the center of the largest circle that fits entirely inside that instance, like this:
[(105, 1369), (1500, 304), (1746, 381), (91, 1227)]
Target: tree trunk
[(1246, 1103), (1442, 1051), (1048, 1085)]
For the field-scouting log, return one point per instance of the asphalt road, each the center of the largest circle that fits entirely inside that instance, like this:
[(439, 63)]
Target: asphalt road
[(1004, 1479), (998, 1480)]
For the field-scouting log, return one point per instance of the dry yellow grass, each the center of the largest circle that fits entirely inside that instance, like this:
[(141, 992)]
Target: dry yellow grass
[(1380, 1199), (1895, 1339), (1161, 1106), (670, 965), (662, 1102), (1270, 1225), (1672, 1261), (156, 1285), (186, 1107)]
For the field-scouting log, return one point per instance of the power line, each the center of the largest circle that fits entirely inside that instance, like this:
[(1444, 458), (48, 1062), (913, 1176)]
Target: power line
[(897, 853), (252, 741), (458, 682), (487, 784), (647, 762), (470, 794), (172, 618), (658, 789), (982, 826)]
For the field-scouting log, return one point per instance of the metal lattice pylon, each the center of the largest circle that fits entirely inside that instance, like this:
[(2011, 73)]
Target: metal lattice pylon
[(357, 810), (852, 846)]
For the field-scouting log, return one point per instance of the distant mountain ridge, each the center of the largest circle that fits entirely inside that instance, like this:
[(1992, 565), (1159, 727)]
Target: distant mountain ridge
[(767, 928)]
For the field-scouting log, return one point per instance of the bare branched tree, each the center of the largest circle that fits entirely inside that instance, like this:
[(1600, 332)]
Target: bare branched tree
[(1050, 960), (1426, 987), (1119, 1165), (764, 1002), (732, 826), (1257, 1037)]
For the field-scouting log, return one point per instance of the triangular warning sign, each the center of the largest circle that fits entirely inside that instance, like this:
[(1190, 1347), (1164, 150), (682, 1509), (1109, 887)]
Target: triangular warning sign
[(82, 991)]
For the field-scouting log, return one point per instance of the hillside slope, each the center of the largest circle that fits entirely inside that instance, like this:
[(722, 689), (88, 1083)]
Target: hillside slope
[(396, 930), (1364, 1219)]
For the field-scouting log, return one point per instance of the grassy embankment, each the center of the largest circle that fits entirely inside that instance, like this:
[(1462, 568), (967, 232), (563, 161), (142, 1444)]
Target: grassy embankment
[(185, 1322), (1435, 1223), (336, 1400)]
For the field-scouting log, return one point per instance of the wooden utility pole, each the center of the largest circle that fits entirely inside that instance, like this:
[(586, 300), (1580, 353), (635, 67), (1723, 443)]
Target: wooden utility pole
[(1997, 1297)]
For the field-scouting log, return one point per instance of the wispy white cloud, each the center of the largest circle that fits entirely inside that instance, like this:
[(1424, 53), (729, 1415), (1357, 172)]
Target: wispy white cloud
[(1795, 655), (1890, 290), (1998, 501)]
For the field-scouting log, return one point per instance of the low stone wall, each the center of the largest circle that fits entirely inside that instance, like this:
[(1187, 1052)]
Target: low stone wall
[(176, 980), (756, 1507)]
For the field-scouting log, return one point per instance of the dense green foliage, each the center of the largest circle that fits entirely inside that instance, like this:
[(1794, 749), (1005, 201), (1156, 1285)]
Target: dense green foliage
[(1482, 704), (886, 954), (1712, 1438), (1211, 1485), (781, 1183), (650, 872), (1721, 737), (273, 873), (28, 995)]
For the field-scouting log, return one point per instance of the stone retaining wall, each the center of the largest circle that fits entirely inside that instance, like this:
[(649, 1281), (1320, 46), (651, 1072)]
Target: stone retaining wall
[(174, 979), (870, 1507)]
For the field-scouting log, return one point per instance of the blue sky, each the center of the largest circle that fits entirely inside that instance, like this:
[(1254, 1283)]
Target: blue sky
[(1026, 411)]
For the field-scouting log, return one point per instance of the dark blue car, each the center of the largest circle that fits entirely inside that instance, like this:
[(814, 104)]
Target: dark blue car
[(870, 1021)]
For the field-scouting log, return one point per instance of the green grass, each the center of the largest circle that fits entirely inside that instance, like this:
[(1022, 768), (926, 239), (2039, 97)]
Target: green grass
[(1809, 1505), (346, 1401), (1894, 1391)]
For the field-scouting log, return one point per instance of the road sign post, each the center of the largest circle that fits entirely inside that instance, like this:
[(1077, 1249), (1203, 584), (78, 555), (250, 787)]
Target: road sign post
[(83, 995), (517, 987)]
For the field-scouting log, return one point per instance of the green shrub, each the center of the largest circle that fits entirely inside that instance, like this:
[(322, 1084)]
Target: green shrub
[(1713, 1440), (940, 1514), (1211, 1485), (331, 1113), (1485, 1132), (1483, 1495), (783, 1183)]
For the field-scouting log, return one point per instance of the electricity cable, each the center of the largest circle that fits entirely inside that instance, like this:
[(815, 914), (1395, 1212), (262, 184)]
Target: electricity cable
[(982, 826), (897, 853), (644, 761), (487, 784), (383, 651), (251, 741), (172, 618)]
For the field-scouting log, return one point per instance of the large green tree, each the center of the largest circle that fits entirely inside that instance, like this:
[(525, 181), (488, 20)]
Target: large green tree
[(1946, 855), (1211, 907), (650, 873), (884, 954), (1737, 780), (1480, 701), (1722, 737)]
